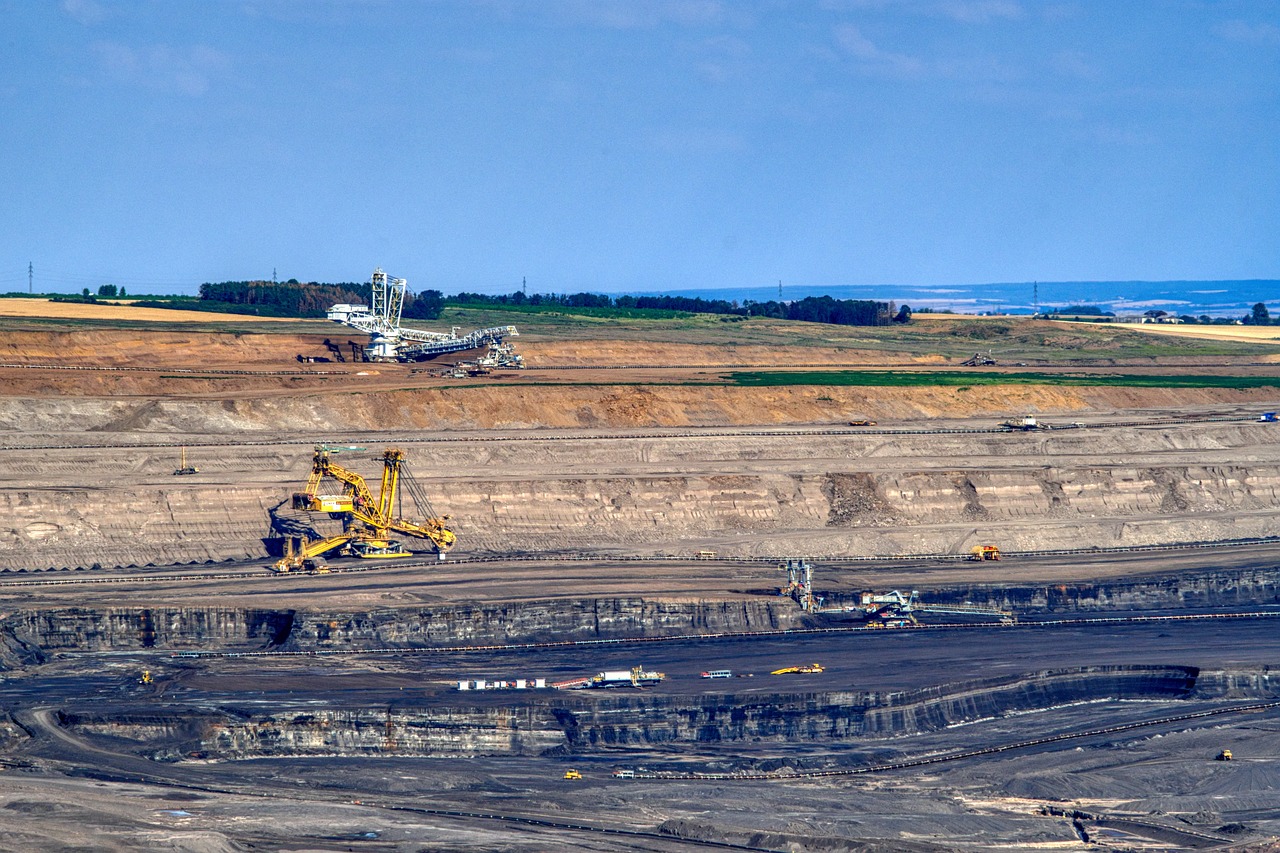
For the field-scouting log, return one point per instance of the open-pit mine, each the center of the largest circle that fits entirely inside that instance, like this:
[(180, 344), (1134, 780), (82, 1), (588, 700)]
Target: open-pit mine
[(681, 612)]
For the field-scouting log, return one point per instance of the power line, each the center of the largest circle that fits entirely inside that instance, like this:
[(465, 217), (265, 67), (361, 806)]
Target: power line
[(53, 281), (73, 278)]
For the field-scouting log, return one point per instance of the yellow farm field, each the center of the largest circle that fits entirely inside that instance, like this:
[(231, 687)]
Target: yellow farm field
[(119, 311), (1252, 334)]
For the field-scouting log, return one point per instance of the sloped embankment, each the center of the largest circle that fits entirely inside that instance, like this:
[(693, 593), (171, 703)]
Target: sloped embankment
[(32, 634), (527, 406)]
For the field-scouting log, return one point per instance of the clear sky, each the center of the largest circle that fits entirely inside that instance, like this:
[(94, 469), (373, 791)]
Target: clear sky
[(637, 144)]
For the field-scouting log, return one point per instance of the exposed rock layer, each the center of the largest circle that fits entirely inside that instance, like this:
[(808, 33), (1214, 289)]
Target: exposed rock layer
[(746, 495), (34, 632), (583, 724)]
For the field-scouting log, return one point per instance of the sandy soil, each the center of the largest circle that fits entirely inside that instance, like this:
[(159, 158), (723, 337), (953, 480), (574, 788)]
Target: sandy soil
[(1252, 334), (119, 310)]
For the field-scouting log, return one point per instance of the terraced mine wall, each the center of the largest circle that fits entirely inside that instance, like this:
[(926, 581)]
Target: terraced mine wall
[(27, 635), (822, 514), (33, 633), (600, 722), (840, 715)]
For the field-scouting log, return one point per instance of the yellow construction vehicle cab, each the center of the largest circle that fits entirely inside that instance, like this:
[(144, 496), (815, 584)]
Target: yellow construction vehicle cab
[(985, 552), (572, 774), (1225, 755), (145, 678)]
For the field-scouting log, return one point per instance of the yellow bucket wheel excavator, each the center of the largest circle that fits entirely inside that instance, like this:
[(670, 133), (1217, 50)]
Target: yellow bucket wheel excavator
[(368, 521)]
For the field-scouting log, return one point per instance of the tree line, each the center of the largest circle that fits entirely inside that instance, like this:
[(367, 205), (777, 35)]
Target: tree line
[(1257, 316), (307, 299), (813, 309), (289, 299), (296, 299)]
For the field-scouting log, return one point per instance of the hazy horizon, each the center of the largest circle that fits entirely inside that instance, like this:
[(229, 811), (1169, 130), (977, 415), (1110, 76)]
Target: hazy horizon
[(1216, 298)]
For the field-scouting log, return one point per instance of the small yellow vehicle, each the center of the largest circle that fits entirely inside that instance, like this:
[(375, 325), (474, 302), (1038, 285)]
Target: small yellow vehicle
[(804, 668), (572, 774)]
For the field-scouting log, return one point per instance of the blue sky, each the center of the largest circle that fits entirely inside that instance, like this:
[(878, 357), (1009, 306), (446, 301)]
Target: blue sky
[(644, 145)]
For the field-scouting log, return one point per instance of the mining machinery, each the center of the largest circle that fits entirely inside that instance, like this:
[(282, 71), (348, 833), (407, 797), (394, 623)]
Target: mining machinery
[(389, 341), (637, 676), (1027, 424), (802, 669), (895, 610), (800, 584), (885, 609), (368, 521), (184, 468)]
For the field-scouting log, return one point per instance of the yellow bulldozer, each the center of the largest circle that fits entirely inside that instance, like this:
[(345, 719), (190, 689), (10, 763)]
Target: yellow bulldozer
[(368, 521)]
